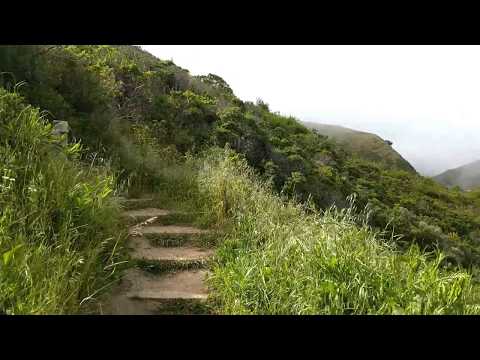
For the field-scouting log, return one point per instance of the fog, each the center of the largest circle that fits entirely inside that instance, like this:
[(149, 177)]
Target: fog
[(423, 98)]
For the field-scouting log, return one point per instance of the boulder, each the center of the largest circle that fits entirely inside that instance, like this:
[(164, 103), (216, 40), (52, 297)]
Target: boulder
[(61, 129)]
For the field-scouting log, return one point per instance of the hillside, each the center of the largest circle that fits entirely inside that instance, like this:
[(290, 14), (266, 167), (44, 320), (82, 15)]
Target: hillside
[(141, 114), (298, 213), (466, 177), (366, 145)]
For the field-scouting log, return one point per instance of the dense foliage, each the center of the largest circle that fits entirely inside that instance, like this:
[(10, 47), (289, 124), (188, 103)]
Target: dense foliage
[(419, 209)]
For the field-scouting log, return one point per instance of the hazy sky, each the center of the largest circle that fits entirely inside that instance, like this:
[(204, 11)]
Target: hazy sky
[(426, 99)]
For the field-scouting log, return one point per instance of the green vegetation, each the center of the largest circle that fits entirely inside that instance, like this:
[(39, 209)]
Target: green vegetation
[(58, 224), (148, 126), (365, 145), (281, 257), (466, 177), (419, 209)]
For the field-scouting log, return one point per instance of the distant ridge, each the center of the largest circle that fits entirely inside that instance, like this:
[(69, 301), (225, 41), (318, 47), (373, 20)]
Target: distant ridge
[(366, 145), (466, 176)]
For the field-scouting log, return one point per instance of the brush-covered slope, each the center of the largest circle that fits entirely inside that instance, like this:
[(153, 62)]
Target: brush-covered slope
[(466, 177), (139, 113), (366, 145), (278, 258)]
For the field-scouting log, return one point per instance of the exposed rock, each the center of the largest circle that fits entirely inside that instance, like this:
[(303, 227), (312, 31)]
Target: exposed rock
[(61, 128)]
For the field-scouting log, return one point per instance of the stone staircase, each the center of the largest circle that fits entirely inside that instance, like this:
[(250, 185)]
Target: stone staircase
[(169, 272)]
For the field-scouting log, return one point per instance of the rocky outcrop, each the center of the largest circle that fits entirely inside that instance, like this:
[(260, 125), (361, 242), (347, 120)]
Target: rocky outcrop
[(61, 129)]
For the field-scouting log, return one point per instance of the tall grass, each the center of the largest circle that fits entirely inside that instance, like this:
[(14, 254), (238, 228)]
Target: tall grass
[(281, 257), (59, 227)]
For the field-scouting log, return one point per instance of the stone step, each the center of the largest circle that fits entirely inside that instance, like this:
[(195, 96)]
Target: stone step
[(143, 293), (169, 235), (157, 216), (183, 285), (142, 250), (160, 259), (140, 215), (173, 230), (133, 204)]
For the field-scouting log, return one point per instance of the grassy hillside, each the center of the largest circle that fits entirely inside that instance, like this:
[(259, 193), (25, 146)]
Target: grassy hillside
[(366, 145), (151, 123), (281, 257), (466, 177), (141, 113)]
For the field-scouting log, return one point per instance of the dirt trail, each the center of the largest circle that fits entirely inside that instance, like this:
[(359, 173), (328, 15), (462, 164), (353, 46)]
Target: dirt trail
[(169, 272)]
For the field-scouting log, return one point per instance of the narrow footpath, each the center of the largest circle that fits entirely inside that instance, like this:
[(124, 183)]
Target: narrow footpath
[(169, 272)]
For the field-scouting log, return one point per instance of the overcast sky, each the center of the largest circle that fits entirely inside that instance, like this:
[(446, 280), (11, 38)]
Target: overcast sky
[(426, 99)]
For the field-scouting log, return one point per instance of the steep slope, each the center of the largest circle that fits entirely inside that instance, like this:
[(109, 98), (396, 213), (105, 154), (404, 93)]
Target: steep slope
[(145, 117), (466, 177), (366, 145), (146, 122)]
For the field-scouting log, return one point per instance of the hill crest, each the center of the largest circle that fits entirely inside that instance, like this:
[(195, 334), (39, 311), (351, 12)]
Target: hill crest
[(465, 176), (366, 145)]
